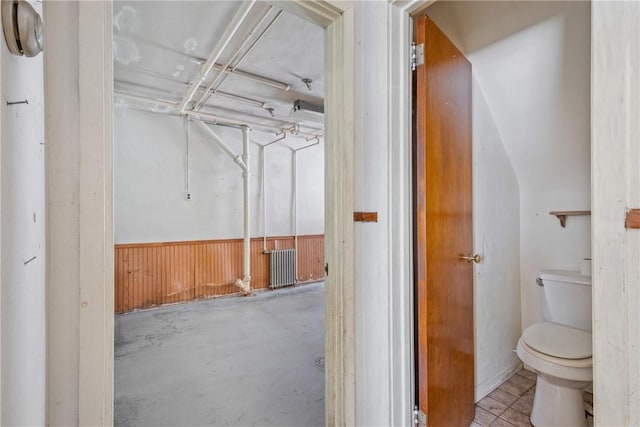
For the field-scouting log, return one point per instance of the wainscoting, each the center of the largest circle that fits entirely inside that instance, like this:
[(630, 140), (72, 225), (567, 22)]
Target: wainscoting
[(151, 274)]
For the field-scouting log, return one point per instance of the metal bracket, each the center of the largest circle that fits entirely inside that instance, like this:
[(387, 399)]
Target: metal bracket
[(417, 55), (419, 417)]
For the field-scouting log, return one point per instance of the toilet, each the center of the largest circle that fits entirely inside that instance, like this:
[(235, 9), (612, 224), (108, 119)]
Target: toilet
[(559, 349)]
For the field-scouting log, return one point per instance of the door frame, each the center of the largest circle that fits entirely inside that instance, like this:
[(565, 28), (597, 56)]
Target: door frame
[(79, 196), (79, 317)]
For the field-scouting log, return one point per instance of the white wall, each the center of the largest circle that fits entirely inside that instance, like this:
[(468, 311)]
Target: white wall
[(371, 194), (22, 236), (616, 188), (150, 182), (496, 220), (531, 60)]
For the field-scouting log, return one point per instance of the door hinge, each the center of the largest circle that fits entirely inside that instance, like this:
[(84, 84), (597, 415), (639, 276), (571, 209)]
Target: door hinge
[(417, 55), (419, 418)]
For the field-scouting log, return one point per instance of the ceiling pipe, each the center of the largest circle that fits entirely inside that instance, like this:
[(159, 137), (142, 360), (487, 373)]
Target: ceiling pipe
[(307, 146), (259, 79), (238, 73), (206, 95), (239, 159), (217, 119), (206, 68), (226, 68), (240, 98)]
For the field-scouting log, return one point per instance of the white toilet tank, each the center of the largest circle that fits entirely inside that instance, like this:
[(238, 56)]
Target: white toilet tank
[(566, 298)]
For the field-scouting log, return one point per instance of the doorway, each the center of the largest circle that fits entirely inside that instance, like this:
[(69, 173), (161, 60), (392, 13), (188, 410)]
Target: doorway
[(83, 359), (219, 190)]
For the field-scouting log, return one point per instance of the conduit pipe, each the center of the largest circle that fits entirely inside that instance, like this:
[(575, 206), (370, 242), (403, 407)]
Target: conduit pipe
[(225, 71), (238, 73), (264, 192), (206, 95), (247, 207), (243, 161), (295, 193), (206, 68), (239, 159), (208, 116)]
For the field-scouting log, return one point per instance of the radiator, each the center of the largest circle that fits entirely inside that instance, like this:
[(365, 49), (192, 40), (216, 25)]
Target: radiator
[(283, 268)]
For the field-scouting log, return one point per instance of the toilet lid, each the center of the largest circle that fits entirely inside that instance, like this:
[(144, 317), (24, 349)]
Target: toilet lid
[(558, 341)]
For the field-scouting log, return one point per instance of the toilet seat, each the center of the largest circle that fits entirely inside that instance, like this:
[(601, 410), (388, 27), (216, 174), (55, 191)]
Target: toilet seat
[(562, 368), (558, 341)]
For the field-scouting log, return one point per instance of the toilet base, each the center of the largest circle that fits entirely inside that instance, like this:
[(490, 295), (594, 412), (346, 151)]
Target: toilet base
[(558, 402)]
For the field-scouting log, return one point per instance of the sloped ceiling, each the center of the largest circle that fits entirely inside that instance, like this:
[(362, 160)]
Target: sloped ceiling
[(159, 47), (532, 62)]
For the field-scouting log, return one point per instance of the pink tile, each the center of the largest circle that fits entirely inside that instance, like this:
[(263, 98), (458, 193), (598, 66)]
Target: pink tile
[(516, 418), (492, 405), (516, 386), (529, 395), (499, 422), (523, 405), (527, 374), (522, 381), (503, 396), (484, 418)]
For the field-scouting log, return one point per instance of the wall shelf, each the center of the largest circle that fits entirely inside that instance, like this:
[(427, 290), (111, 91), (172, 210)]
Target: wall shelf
[(562, 215)]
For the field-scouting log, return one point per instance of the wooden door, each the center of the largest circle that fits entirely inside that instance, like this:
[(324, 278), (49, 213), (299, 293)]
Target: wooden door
[(443, 231)]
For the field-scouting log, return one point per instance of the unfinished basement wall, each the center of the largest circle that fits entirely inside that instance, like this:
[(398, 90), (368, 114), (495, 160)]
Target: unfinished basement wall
[(22, 234), (151, 183), (172, 249)]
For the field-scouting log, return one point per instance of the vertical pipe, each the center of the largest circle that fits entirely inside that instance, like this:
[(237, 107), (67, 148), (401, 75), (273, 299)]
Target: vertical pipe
[(295, 212), (246, 175), (264, 202), (187, 171)]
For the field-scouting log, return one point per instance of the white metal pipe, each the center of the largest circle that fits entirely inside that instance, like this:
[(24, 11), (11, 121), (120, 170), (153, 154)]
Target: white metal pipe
[(226, 69), (295, 209), (246, 100), (308, 146), (186, 160), (264, 200), (258, 79), (238, 73), (239, 159), (284, 135), (206, 95), (209, 116), (257, 40), (246, 175), (264, 192), (206, 68)]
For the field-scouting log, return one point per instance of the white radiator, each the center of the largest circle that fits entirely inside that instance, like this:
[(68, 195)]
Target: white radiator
[(283, 268)]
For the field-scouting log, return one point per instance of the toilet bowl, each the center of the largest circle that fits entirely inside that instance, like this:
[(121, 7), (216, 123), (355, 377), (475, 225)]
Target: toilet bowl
[(559, 349), (561, 357)]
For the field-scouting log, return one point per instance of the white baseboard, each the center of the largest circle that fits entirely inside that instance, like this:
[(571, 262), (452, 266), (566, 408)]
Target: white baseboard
[(492, 383)]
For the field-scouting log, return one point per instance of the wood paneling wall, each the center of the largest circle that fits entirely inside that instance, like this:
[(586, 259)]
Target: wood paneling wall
[(150, 274)]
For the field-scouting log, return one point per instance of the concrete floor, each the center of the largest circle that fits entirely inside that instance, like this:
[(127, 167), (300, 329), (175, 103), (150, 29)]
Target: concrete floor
[(233, 361)]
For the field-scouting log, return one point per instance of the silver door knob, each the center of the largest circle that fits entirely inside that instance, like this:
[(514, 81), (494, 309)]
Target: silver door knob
[(471, 258)]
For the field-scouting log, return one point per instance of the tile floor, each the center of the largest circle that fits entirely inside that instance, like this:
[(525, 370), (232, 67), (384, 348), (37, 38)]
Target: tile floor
[(510, 404)]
